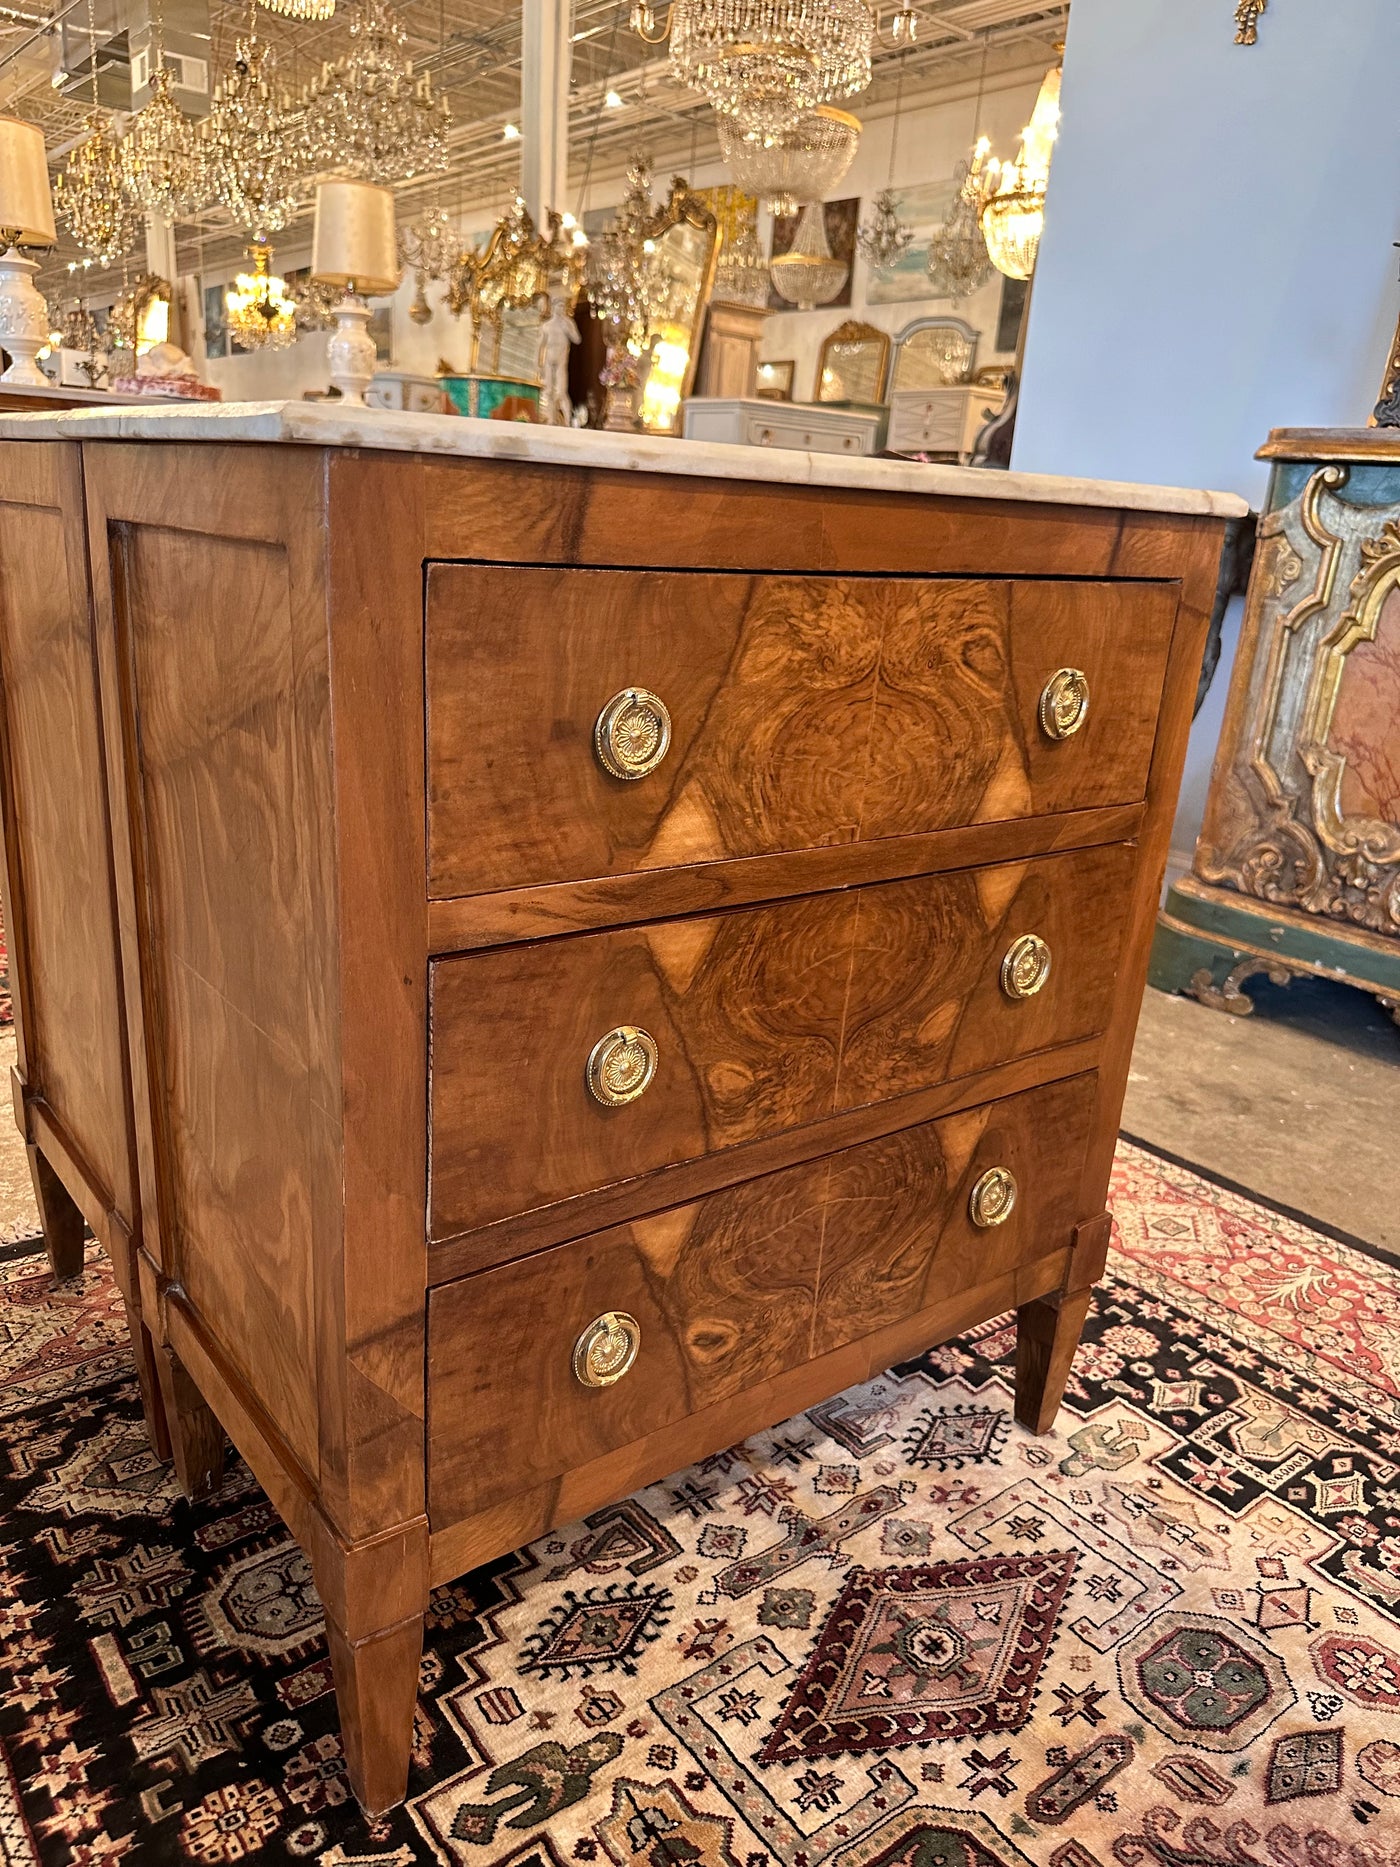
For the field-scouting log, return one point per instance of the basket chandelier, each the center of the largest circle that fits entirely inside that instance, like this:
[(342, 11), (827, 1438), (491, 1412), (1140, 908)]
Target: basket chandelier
[(805, 162), (368, 114), (766, 63), (1013, 193), (260, 314), (809, 274)]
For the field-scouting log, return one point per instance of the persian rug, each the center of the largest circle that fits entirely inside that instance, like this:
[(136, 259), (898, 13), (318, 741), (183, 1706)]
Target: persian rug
[(895, 1631), (7, 1010)]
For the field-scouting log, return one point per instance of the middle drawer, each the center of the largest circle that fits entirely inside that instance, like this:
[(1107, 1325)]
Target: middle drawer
[(568, 1065)]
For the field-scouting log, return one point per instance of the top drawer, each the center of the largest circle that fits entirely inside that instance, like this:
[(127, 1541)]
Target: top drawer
[(802, 711)]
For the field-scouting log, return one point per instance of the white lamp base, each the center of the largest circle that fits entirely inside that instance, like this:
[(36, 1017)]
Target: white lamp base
[(24, 320), (350, 351)]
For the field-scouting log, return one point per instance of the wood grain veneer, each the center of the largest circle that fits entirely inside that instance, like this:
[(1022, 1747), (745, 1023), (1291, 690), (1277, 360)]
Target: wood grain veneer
[(766, 1019), (804, 711), (324, 722)]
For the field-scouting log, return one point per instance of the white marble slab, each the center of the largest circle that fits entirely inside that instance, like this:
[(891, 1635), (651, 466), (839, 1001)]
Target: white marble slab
[(322, 424)]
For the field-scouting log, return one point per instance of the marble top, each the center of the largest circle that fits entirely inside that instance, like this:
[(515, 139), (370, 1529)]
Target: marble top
[(322, 424)]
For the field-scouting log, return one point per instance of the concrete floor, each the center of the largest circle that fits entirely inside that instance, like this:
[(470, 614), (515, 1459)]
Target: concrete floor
[(1299, 1102)]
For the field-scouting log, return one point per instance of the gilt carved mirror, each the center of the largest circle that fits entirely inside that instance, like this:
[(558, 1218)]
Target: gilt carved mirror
[(683, 239), (853, 364)]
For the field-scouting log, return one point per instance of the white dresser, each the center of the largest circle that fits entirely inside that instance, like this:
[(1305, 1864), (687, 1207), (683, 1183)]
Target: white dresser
[(939, 421), (807, 425)]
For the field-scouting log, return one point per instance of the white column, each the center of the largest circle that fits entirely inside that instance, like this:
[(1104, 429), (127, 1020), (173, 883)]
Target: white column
[(544, 105), (160, 247)]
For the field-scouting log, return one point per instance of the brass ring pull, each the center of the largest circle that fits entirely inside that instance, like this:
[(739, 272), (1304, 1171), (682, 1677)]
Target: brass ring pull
[(1064, 703), (632, 734), (621, 1065), (1026, 966), (607, 1348), (993, 1197)]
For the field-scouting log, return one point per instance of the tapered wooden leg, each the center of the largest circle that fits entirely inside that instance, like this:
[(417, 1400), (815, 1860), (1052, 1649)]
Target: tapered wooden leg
[(196, 1437), (144, 1352), (1047, 1334), (63, 1224), (376, 1689)]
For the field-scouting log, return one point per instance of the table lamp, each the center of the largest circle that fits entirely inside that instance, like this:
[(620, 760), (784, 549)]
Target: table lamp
[(354, 247), (26, 219)]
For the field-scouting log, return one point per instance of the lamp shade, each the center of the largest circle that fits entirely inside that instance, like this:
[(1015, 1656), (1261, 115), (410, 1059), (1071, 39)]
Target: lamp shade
[(26, 206), (354, 244)]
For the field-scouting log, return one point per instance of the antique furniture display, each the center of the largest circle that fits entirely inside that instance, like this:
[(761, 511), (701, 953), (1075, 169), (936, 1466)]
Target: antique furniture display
[(852, 364), (768, 423), (617, 941), (1297, 866)]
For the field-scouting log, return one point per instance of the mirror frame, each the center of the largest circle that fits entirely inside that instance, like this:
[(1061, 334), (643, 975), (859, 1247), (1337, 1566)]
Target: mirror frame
[(935, 322), (683, 207), (854, 331)]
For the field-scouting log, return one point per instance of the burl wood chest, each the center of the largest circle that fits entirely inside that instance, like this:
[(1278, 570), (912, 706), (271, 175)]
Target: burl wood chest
[(567, 959)]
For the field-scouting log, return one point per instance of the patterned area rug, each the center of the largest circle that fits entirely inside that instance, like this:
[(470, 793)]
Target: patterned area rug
[(896, 1631), (7, 1010)]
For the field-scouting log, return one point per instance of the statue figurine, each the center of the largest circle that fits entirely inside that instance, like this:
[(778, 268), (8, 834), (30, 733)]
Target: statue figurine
[(557, 333)]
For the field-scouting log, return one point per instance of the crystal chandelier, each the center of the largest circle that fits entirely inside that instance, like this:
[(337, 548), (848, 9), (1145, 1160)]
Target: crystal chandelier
[(250, 142), (768, 62), (808, 275), (624, 290), (88, 192), (162, 156), (958, 260), (804, 163), (884, 239), (314, 304), (260, 314), (301, 9), (741, 272), (1013, 193), (91, 198), (368, 114), (621, 278), (430, 245)]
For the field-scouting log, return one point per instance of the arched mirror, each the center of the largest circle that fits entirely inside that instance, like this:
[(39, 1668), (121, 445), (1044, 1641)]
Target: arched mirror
[(853, 364), (684, 242), (933, 353)]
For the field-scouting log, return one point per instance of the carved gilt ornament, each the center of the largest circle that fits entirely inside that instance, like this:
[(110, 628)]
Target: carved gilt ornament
[(1279, 826)]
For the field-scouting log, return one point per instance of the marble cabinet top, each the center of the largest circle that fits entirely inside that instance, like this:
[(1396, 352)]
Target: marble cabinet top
[(322, 424)]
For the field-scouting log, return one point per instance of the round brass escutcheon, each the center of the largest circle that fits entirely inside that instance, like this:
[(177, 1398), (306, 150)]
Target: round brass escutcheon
[(1026, 966), (1064, 703), (621, 1065), (607, 1348), (632, 734), (993, 1197)]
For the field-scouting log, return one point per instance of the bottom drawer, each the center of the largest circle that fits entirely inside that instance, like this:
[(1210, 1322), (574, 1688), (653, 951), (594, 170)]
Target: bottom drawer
[(733, 1289)]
